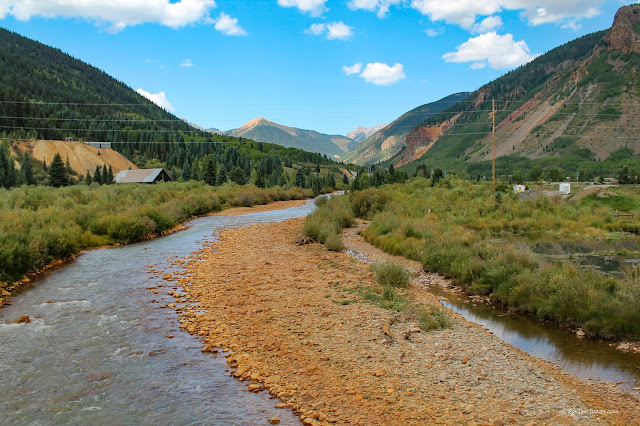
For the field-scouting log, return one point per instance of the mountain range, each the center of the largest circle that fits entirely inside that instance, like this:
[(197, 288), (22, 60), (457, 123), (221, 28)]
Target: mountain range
[(575, 108), (263, 130)]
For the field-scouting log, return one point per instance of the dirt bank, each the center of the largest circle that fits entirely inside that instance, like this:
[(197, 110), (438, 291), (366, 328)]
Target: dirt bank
[(277, 205), (297, 325)]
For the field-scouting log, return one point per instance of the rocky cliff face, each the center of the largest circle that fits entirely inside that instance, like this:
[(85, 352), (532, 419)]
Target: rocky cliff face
[(624, 35)]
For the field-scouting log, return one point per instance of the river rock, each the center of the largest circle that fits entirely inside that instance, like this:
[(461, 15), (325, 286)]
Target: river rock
[(274, 420), (580, 333)]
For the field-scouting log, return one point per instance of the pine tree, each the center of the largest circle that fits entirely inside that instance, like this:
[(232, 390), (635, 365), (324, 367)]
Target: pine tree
[(237, 176), (109, 179), (221, 178), (26, 170), (345, 179), (58, 173), (67, 165), (186, 171), (97, 176), (260, 183), (194, 171), (88, 179), (104, 175), (3, 168), (210, 173)]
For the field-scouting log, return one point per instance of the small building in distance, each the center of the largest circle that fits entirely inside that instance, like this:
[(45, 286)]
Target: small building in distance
[(104, 145), (142, 176), (565, 188)]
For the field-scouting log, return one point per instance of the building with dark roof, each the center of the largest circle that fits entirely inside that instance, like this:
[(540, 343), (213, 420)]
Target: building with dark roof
[(142, 176)]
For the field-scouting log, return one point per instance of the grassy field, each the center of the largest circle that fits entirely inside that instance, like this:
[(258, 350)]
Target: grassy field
[(466, 232), (41, 224)]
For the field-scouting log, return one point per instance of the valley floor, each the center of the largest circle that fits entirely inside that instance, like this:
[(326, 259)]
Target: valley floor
[(292, 321)]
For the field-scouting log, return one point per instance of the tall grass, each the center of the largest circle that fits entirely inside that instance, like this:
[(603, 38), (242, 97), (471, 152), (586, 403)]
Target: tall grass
[(465, 232), (40, 224), (326, 223)]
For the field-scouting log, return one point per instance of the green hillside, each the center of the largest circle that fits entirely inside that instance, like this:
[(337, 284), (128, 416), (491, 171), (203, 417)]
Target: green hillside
[(571, 112), (388, 141), (47, 94)]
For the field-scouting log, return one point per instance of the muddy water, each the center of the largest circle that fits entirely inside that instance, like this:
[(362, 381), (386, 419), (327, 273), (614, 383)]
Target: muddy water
[(96, 352)]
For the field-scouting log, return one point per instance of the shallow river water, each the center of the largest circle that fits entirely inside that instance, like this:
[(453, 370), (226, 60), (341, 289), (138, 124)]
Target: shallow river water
[(96, 352)]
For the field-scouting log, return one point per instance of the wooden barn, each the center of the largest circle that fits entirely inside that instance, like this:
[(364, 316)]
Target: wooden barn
[(142, 176)]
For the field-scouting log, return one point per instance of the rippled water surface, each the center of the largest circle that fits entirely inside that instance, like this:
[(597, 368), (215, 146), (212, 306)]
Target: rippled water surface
[(96, 352)]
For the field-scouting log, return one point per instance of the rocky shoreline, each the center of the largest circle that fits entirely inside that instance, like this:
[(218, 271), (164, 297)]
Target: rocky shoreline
[(292, 321)]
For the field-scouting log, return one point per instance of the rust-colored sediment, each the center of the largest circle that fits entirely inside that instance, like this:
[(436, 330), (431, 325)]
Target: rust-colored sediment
[(295, 322)]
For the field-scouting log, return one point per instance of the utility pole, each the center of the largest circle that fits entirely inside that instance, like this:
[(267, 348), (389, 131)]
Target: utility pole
[(493, 113)]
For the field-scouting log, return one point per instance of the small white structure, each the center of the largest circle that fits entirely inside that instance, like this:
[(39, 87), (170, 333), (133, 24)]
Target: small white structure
[(565, 188), (518, 189)]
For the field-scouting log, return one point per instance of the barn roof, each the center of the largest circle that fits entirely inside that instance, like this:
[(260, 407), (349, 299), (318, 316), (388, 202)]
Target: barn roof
[(138, 176)]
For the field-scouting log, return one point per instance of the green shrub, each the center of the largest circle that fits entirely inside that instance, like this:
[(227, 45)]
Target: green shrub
[(368, 202), (391, 274), (334, 243)]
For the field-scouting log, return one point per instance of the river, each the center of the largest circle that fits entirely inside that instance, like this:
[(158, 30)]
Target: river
[(96, 352)]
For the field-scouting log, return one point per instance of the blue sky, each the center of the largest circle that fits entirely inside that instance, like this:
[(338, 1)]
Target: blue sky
[(326, 65)]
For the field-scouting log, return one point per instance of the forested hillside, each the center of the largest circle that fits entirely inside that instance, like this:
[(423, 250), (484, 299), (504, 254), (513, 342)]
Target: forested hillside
[(47, 94)]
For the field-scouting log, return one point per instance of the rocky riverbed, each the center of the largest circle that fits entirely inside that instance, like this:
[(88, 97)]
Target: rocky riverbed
[(292, 321)]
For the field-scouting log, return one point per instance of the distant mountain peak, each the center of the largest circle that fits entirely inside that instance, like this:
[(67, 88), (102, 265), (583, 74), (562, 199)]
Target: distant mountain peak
[(362, 133), (264, 130)]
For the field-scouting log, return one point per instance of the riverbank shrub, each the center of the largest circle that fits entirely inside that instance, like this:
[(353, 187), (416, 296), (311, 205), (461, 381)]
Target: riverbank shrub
[(41, 224), (390, 274), (326, 223), (465, 232)]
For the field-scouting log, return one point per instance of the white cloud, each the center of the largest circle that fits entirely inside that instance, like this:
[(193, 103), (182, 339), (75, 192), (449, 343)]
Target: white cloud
[(382, 74), (489, 23), (381, 7), (460, 12), (339, 30), (118, 14), (159, 99), (353, 69), (229, 26), (536, 12), (333, 30), (187, 63), (312, 7), (316, 29), (499, 52)]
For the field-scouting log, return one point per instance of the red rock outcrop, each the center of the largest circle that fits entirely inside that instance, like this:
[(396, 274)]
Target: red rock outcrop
[(623, 36)]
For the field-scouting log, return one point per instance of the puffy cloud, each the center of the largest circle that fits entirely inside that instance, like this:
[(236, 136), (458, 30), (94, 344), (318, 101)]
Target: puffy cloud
[(499, 52), (312, 7), (339, 30), (487, 24), (229, 26), (353, 69), (159, 99), (536, 12), (377, 73), (381, 7), (187, 63), (119, 14), (461, 12), (333, 30)]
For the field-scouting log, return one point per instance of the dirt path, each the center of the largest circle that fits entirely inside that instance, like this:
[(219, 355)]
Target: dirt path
[(296, 323)]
